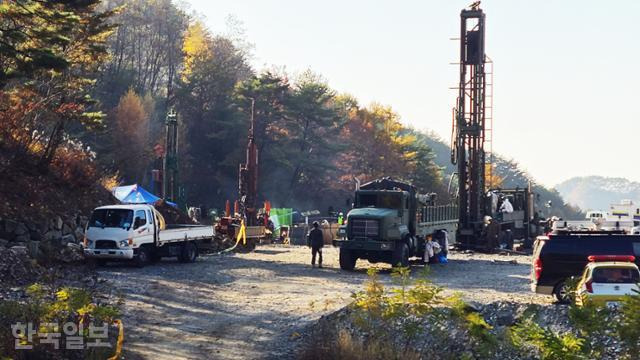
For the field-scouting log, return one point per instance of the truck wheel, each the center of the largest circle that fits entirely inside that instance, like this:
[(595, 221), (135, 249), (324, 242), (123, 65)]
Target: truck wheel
[(188, 252), (400, 255), (562, 292), (143, 258), (347, 260)]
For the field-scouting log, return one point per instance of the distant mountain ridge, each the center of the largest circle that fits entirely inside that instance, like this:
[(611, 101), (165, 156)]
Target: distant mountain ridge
[(598, 192)]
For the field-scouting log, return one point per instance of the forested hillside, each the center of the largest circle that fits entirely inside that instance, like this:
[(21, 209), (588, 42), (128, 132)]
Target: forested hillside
[(87, 88), (134, 61)]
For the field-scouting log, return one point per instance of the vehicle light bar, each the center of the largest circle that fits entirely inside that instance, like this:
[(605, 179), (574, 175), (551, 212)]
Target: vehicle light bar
[(626, 258)]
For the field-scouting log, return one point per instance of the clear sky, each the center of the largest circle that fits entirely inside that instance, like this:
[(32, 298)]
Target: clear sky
[(567, 85)]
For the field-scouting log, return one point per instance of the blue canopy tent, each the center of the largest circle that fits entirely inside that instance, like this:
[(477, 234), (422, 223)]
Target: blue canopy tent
[(135, 194)]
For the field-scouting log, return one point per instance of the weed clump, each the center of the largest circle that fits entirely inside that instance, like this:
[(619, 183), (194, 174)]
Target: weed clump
[(67, 315)]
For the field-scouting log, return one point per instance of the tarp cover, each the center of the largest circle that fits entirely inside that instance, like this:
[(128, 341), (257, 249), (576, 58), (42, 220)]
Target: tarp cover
[(281, 217), (135, 194)]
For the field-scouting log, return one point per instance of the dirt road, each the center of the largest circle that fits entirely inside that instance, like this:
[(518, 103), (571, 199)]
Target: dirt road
[(253, 306)]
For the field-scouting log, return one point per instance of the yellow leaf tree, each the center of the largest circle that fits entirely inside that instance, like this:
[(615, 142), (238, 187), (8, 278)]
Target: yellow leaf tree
[(197, 45), (131, 137), (492, 179)]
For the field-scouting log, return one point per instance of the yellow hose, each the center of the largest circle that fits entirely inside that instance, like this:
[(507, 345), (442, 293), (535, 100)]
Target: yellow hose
[(242, 235), (116, 356)]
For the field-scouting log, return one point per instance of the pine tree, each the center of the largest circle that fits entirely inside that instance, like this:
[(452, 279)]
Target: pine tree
[(54, 48)]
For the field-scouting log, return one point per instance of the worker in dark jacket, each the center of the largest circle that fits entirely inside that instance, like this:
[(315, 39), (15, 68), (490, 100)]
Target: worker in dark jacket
[(316, 241)]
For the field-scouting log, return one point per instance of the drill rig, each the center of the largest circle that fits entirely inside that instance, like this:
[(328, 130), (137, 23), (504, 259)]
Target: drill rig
[(170, 188), (248, 177), (245, 208), (480, 223)]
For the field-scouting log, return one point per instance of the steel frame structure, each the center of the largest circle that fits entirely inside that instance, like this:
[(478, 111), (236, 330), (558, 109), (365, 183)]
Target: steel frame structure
[(170, 189), (469, 128)]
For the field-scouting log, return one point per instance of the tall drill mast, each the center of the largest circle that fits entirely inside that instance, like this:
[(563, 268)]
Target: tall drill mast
[(469, 124), (248, 176), (170, 165)]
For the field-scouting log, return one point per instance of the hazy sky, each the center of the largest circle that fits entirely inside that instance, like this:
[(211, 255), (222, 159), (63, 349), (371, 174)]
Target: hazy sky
[(567, 85)]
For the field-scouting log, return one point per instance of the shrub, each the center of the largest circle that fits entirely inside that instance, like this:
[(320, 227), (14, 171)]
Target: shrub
[(550, 346), (74, 164), (629, 327), (378, 311), (595, 324), (484, 341), (45, 305)]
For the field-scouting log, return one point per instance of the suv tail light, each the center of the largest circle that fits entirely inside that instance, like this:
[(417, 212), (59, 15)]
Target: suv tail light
[(589, 286), (537, 268)]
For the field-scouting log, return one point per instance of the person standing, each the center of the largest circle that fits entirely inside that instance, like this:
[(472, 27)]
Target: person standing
[(491, 233), (316, 241)]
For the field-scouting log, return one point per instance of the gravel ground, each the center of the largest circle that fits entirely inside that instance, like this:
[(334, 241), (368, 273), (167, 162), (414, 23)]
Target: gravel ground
[(487, 278), (256, 305)]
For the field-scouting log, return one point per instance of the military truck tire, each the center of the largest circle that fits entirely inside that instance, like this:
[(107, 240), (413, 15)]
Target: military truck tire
[(400, 255), (347, 260)]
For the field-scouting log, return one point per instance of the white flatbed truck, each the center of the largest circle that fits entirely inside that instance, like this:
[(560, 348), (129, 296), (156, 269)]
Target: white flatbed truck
[(138, 232)]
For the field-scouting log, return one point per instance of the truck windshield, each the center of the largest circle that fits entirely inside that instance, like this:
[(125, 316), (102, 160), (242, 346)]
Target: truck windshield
[(367, 200), (388, 201), (112, 218)]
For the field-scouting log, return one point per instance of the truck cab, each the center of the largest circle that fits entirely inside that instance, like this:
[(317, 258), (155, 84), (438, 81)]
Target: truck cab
[(379, 214), (117, 232)]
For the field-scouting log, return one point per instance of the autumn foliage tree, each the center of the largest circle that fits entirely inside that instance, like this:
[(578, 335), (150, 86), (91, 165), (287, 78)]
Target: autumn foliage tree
[(378, 144), (493, 179), (51, 51), (130, 135)]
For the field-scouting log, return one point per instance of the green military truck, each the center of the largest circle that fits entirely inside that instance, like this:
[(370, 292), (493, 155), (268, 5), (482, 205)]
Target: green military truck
[(390, 222)]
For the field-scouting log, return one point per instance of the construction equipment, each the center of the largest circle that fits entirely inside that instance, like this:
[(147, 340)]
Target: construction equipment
[(391, 223), (246, 213), (248, 176), (471, 131), (170, 190)]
